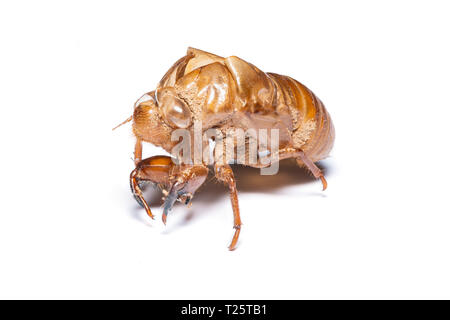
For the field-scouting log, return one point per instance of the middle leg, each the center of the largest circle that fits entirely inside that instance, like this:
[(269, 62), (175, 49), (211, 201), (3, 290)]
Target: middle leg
[(302, 160), (225, 174)]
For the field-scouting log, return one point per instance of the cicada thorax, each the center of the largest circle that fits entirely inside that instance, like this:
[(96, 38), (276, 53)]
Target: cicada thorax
[(203, 82), (210, 93)]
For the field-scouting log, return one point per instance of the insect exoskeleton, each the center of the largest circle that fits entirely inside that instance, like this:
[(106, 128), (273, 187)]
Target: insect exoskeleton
[(228, 97)]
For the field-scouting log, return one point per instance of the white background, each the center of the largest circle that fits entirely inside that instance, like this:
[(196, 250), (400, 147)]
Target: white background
[(69, 227)]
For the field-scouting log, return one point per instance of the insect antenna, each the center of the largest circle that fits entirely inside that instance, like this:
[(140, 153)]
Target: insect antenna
[(127, 120)]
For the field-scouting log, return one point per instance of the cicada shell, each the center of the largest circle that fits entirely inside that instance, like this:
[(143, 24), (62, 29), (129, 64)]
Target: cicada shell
[(225, 95), (230, 92)]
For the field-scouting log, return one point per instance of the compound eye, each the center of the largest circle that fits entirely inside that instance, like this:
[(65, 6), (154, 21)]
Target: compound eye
[(174, 110), (177, 113)]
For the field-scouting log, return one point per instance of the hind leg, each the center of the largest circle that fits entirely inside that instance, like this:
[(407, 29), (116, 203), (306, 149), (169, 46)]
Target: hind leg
[(303, 159)]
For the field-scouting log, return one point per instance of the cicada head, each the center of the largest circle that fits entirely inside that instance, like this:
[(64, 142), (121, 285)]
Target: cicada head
[(147, 122), (156, 115)]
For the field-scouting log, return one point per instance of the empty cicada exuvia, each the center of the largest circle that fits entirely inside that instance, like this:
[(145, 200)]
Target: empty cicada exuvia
[(222, 95)]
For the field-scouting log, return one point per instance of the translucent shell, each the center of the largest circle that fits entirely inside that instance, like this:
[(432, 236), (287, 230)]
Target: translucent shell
[(230, 92), (255, 89), (209, 91), (149, 96)]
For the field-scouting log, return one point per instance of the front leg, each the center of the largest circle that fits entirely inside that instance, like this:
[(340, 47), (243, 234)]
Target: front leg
[(157, 170), (225, 174), (138, 151), (179, 181)]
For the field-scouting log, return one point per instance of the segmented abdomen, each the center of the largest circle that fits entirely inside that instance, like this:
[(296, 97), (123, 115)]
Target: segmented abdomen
[(313, 130)]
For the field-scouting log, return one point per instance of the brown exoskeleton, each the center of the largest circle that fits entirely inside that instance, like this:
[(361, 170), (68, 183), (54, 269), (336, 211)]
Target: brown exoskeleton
[(223, 93)]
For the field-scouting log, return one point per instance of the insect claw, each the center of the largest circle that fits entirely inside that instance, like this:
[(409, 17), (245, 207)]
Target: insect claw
[(149, 212), (324, 183), (185, 198), (151, 216), (168, 203), (237, 231)]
